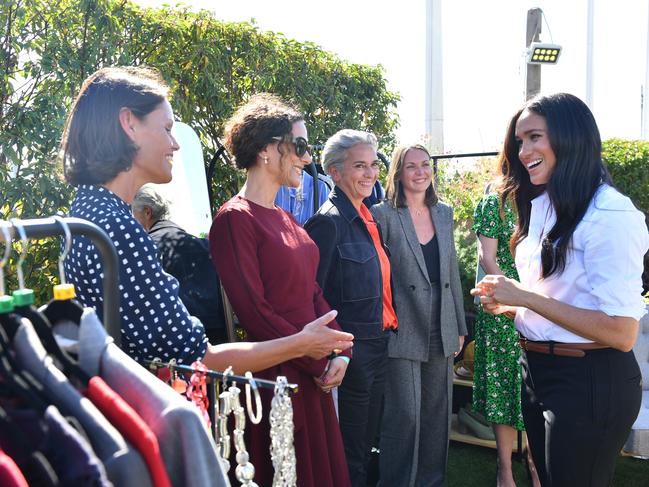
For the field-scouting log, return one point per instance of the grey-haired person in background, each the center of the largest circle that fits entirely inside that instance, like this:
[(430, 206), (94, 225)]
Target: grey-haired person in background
[(187, 258)]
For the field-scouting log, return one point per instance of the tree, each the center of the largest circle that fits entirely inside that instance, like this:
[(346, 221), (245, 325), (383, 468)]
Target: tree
[(48, 48)]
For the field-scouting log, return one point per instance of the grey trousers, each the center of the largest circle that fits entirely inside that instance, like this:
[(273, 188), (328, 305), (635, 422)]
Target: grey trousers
[(416, 421)]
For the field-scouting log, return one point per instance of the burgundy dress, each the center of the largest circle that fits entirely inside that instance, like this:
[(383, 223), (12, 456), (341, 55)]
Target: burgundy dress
[(267, 264)]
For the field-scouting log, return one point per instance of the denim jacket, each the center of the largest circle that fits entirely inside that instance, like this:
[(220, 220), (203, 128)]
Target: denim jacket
[(349, 271)]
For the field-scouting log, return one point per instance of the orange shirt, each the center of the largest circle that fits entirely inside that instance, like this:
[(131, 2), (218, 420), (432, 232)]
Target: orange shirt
[(389, 316)]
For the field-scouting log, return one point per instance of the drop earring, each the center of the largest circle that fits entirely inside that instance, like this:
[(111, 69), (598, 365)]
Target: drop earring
[(265, 160)]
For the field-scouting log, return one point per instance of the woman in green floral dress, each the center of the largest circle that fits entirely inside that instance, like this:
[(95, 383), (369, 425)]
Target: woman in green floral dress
[(497, 373)]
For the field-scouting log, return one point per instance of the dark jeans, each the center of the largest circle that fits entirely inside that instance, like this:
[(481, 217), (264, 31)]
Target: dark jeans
[(359, 404), (578, 413)]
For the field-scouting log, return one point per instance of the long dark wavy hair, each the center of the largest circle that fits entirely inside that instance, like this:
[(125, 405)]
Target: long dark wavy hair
[(579, 172)]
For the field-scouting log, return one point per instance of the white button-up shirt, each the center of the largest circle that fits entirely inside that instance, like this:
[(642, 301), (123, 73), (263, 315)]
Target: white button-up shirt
[(603, 269)]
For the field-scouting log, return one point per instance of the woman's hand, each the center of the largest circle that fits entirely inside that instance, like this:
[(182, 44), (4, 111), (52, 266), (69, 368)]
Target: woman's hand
[(319, 340), (499, 294), (333, 375)]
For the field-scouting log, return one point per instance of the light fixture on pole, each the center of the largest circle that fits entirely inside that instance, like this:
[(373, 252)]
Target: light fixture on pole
[(537, 53), (543, 53)]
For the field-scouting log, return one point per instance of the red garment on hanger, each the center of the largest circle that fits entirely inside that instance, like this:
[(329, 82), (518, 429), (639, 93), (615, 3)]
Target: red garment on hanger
[(10, 474), (131, 425)]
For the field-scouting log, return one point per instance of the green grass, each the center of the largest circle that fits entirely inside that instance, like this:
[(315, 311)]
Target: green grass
[(475, 466)]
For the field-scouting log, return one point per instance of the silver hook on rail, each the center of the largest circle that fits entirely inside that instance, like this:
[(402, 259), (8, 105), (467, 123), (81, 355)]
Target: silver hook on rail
[(66, 248), (5, 257), (23, 252)]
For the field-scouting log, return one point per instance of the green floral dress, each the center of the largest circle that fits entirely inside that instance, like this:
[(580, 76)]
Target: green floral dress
[(497, 372)]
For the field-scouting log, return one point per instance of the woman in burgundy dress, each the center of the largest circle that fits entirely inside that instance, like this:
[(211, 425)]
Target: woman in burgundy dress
[(268, 265)]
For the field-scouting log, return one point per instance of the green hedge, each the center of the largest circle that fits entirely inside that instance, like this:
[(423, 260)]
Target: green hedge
[(48, 48), (628, 163)]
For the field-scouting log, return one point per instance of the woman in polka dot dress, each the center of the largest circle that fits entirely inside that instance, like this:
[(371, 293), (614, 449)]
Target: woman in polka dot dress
[(118, 137)]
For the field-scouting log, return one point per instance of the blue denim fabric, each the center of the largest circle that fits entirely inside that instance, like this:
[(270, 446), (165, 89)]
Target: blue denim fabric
[(349, 272)]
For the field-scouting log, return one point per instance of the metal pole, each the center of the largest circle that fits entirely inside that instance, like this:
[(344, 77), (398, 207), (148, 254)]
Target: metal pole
[(313, 172), (533, 73), (645, 98), (434, 76), (48, 227), (590, 25)]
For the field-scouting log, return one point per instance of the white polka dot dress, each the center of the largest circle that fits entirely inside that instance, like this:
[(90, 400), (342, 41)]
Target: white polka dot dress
[(155, 322)]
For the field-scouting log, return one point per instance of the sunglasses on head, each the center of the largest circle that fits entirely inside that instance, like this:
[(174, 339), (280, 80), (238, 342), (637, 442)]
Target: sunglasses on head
[(300, 143)]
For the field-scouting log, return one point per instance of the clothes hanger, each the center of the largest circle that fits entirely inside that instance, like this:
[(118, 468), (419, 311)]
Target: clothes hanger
[(24, 306), (6, 302), (63, 307), (17, 380)]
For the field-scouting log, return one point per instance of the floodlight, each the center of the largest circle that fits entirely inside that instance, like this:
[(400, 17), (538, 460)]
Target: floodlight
[(542, 53)]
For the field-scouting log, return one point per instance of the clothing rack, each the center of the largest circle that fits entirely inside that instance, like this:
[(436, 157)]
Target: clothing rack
[(266, 384), (313, 171), (49, 227)]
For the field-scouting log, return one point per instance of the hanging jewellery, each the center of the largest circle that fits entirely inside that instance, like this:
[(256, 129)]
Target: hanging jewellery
[(282, 452), (224, 409), (418, 211), (176, 383), (215, 385), (254, 418), (160, 370), (245, 471), (155, 365), (197, 390)]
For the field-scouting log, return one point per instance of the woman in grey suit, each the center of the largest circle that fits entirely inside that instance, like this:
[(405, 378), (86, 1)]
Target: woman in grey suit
[(418, 230)]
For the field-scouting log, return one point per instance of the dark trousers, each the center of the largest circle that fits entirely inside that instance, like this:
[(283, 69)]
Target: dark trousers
[(359, 404), (578, 413)]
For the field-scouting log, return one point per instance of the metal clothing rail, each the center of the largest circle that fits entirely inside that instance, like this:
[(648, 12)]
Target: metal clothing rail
[(313, 172), (435, 158), (267, 384), (49, 227)]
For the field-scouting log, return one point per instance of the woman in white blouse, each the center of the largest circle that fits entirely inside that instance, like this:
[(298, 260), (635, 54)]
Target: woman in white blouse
[(579, 248)]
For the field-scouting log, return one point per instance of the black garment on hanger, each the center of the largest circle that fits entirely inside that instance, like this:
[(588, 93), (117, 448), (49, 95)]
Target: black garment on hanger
[(15, 380), (10, 324), (63, 310)]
